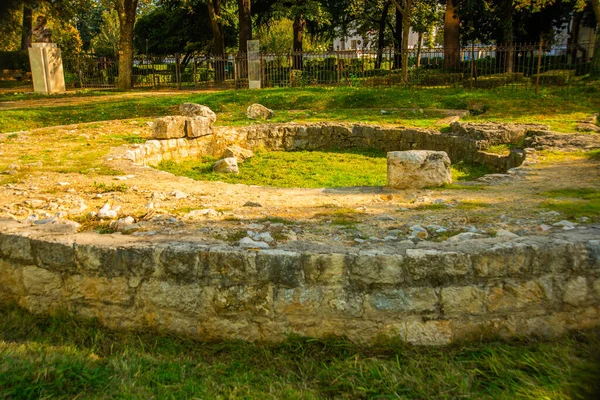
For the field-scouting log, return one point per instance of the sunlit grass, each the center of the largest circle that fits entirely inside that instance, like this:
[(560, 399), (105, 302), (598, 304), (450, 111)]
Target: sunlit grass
[(60, 357), (307, 169)]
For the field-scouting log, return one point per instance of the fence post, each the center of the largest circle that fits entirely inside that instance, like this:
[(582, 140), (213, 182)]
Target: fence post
[(472, 64), (153, 75), (195, 72), (80, 73), (539, 66), (177, 71)]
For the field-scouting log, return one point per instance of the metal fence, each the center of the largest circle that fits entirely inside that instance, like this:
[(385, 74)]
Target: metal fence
[(518, 66)]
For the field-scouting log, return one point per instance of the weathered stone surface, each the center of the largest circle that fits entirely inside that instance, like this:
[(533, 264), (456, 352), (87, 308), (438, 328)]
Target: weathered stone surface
[(324, 268), (414, 300), (41, 282), (515, 296), (99, 289), (461, 300), (54, 255), (575, 291), (198, 127), (425, 296), (238, 153), (197, 110), (258, 111), (488, 134), (226, 166), (17, 248), (169, 127), (418, 169)]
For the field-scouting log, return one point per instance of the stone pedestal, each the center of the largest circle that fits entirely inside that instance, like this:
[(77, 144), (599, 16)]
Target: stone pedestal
[(254, 68), (415, 169), (46, 68)]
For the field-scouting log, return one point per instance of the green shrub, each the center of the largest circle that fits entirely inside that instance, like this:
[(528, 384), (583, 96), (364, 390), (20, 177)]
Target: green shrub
[(14, 60), (494, 81), (556, 77)]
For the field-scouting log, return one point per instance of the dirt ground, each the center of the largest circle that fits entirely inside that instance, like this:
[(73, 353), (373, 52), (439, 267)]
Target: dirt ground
[(59, 173)]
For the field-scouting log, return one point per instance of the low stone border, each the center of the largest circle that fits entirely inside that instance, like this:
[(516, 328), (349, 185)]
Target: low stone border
[(428, 294), (459, 145)]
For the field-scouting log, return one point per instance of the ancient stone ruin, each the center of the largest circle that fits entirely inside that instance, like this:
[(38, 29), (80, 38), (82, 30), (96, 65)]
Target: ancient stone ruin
[(420, 291)]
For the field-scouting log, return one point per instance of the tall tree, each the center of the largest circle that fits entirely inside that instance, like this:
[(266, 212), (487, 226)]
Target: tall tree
[(245, 24), (126, 9), (26, 27), (214, 13), (452, 35), (406, 10)]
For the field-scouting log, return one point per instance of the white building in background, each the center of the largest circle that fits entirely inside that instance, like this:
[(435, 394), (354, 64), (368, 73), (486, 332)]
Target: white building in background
[(354, 41)]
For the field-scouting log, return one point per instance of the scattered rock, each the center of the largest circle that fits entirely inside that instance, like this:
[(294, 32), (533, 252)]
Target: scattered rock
[(226, 166), (252, 204), (544, 228), (263, 237), (197, 110), (506, 234), (461, 237), (200, 213), (418, 232), (122, 223), (238, 153), (447, 120), (385, 217), (107, 213), (45, 221), (258, 111), (178, 194), (418, 169), (248, 243), (566, 225)]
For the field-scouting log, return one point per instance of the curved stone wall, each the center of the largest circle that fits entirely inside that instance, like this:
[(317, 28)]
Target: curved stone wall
[(325, 136), (428, 294)]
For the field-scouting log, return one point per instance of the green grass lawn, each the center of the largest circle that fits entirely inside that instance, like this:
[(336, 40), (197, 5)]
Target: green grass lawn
[(61, 357), (558, 107), (307, 169)]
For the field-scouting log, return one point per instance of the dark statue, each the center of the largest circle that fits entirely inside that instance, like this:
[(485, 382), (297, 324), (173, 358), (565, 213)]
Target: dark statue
[(39, 33)]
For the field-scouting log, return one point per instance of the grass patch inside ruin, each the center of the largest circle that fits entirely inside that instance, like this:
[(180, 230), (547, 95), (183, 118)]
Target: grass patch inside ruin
[(307, 169), (574, 203), (61, 357)]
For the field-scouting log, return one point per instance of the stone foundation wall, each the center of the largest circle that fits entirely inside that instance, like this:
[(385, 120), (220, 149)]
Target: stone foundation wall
[(323, 136), (432, 294)]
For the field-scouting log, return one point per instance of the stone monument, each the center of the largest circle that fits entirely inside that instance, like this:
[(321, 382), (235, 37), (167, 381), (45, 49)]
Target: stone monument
[(45, 60), (254, 68)]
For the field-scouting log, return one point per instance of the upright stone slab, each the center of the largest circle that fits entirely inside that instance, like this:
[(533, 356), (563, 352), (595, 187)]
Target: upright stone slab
[(415, 169), (46, 68), (253, 64)]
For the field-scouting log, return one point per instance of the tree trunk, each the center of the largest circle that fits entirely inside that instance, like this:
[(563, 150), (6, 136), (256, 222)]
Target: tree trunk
[(596, 56), (419, 46), (452, 35), (406, 15), (245, 21), (398, 41), (27, 26), (214, 13), (126, 10), (381, 36), (299, 25), (573, 41), (505, 37)]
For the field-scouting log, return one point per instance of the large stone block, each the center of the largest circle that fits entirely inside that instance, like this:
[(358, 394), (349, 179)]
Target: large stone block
[(258, 111), (99, 289), (575, 291), (15, 247), (169, 127), (515, 296), (197, 110), (198, 127), (372, 267), (324, 268), (160, 295), (46, 68), (54, 255), (42, 283), (417, 169), (460, 300), (408, 300)]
